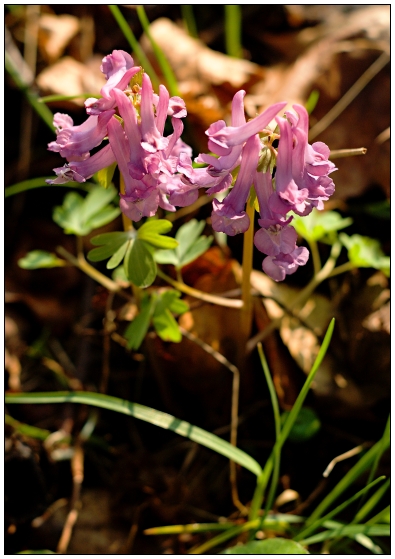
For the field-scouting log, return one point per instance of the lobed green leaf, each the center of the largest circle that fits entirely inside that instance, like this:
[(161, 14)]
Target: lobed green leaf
[(40, 259)]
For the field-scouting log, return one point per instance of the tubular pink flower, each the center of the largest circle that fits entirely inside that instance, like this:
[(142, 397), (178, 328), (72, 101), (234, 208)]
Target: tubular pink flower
[(152, 139), (277, 267), (80, 171), (75, 142), (136, 153), (229, 216), (275, 235), (229, 136)]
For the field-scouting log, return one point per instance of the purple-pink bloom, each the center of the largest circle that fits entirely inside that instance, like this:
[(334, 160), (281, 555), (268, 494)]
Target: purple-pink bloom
[(75, 142), (277, 267), (229, 216), (275, 235)]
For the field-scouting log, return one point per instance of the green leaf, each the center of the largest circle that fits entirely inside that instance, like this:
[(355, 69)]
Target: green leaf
[(136, 331), (152, 233), (318, 224), (272, 546), (97, 199), (190, 245), (79, 216), (166, 257), (40, 259), (365, 252), (166, 326), (140, 267), (144, 413), (104, 216), (306, 426), (104, 176), (67, 216), (111, 243), (118, 256)]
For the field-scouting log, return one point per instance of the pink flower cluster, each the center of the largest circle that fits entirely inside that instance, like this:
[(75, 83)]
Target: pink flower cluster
[(146, 158), (157, 170)]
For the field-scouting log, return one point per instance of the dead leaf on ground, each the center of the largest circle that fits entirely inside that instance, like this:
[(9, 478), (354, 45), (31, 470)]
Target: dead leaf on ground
[(69, 77), (55, 33)]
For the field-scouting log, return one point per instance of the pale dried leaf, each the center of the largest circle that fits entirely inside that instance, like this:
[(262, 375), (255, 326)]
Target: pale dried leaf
[(69, 77), (56, 31), (192, 60)]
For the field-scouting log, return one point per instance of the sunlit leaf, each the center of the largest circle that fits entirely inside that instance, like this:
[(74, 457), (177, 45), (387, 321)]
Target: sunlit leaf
[(143, 413), (153, 231), (166, 326), (137, 329), (317, 224), (140, 267), (40, 259), (80, 216), (272, 546), (365, 252), (190, 246), (118, 256)]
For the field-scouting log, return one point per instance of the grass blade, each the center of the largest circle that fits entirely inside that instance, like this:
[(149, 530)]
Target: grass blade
[(265, 475), (233, 30), (317, 523), (167, 72), (134, 44), (359, 468), (144, 413)]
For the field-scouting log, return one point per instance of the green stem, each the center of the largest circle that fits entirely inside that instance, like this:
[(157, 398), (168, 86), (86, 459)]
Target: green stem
[(134, 44), (309, 529), (315, 254), (207, 297), (346, 267), (162, 60), (277, 425), (42, 110), (248, 251), (189, 20), (233, 30), (263, 478), (89, 270)]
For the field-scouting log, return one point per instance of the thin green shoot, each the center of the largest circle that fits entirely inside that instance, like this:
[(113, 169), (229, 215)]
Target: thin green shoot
[(371, 503), (319, 522), (233, 18), (42, 110), (167, 71), (351, 476), (267, 470), (277, 426), (30, 184), (143, 413), (134, 44), (189, 20)]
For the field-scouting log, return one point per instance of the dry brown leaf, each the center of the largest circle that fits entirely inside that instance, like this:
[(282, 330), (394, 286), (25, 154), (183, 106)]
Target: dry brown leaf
[(69, 77), (55, 33), (193, 60), (301, 338)]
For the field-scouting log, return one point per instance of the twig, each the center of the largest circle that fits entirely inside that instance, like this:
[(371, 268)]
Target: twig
[(341, 457), (234, 408), (351, 94), (77, 468), (207, 297), (337, 153)]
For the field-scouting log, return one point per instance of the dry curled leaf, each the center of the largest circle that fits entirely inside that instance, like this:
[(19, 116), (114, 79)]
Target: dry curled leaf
[(69, 77), (55, 33)]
